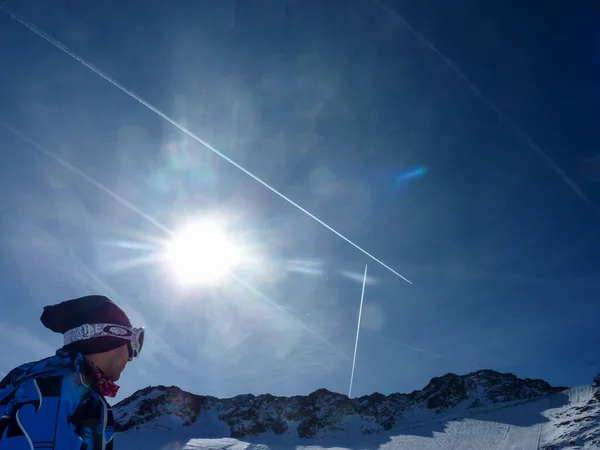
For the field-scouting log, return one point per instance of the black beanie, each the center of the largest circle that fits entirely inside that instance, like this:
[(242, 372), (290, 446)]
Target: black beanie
[(90, 309)]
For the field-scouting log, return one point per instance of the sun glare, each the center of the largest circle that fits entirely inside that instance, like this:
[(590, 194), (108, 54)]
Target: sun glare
[(201, 253)]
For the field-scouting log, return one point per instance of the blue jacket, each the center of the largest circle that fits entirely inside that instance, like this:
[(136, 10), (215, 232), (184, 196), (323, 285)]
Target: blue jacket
[(48, 404)]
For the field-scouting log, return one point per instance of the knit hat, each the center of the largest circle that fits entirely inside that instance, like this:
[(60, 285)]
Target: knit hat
[(91, 309)]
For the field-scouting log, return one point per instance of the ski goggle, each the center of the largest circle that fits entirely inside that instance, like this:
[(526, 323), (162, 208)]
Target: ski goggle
[(135, 336)]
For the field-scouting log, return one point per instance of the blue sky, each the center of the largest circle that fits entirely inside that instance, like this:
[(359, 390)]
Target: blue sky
[(332, 103)]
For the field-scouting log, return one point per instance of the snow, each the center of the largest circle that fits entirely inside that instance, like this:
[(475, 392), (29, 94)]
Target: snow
[(564, 420)]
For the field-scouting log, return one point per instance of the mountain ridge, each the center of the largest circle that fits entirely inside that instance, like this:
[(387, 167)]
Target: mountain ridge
[(322, 411)]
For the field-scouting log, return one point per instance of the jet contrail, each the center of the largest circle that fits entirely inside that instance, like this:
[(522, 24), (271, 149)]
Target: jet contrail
[(362, 297), (153, 108), (501, 116), (412, 347), (86, 177), (162, 227)]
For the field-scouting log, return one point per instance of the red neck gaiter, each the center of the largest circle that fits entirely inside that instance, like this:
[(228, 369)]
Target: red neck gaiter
[(104, 385)]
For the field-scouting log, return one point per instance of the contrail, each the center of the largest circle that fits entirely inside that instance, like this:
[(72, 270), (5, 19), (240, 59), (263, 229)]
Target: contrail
[(159, 225), (86, 177), (413, 347), (362, 297), (501, 116), (153, 108)]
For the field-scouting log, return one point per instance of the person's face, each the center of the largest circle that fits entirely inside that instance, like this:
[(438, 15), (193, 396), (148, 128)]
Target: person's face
[(119, 357)]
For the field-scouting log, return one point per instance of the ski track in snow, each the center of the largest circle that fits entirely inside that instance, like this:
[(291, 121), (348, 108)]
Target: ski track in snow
[(524, 426)]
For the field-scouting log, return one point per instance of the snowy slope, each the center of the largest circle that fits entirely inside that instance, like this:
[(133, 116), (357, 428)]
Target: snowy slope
[(482, 410)]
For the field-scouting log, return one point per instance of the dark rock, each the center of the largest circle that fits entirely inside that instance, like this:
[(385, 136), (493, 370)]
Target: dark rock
[(324, 411)]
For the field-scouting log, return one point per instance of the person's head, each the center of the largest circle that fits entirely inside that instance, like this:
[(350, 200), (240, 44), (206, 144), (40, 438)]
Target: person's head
[(97, 328)]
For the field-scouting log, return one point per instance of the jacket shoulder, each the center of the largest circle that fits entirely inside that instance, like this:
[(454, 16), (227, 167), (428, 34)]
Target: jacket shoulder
[(49, 380), (45, 409)]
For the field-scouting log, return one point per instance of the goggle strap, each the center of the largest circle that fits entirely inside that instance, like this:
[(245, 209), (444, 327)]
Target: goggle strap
[(89, 331)]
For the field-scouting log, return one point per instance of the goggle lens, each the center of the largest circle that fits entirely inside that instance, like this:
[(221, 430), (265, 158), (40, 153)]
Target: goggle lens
[(136, 344)]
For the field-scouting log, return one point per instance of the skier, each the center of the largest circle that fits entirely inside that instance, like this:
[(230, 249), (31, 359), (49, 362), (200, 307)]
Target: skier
[(59, 402)]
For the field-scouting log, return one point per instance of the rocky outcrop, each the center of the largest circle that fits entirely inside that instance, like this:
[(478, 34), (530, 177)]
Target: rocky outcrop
[(577, 426), (324, 411)]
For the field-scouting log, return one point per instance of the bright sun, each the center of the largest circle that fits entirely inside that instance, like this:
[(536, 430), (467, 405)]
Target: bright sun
[(201, 253)]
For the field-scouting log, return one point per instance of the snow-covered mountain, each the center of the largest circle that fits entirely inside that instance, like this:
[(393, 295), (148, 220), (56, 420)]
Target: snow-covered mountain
[(481, 410)]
